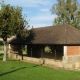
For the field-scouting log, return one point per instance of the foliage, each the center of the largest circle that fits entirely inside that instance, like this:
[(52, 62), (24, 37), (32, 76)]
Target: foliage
[(47, 49), (1, 43), (67, 11), (14, 70), (23, 48), (11, 21)]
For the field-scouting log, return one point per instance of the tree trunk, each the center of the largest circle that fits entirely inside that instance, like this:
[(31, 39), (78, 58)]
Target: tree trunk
[(4, 57)]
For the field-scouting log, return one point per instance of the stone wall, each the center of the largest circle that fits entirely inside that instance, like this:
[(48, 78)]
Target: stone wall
[(71, 62), (67, 63), (40, 61), (71, 59)]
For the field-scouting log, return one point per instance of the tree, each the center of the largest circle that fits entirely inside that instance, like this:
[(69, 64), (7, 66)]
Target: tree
[(11, 23), (67, 11)]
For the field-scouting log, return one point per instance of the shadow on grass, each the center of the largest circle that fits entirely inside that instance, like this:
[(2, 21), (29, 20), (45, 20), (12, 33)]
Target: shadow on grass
[(12, 71), (16, 70)]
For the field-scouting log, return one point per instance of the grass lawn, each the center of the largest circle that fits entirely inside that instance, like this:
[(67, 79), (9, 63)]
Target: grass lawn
[(16, 70)]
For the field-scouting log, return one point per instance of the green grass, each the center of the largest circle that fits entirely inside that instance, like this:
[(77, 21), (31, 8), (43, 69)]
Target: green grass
[(17, 70)]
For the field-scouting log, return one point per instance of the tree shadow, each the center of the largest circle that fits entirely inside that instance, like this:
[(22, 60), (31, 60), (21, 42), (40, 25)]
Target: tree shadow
[(16, 70), (31, 37), (12, 71)]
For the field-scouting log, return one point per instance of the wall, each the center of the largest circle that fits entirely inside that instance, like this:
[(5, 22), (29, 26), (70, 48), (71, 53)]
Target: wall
[(45, 61), (73, 50), (72, 58), (39, 61)]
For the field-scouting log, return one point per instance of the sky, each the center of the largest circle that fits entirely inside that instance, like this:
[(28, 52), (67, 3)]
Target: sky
[(37, 11)]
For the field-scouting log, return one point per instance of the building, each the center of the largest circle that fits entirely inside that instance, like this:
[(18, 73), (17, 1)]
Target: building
[(63, 40)]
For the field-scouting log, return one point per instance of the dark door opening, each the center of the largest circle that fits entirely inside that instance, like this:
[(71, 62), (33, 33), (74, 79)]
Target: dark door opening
[(58, 52)]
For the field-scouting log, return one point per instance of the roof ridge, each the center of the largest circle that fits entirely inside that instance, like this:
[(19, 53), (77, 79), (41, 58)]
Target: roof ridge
[(66, 33), (72, 27)]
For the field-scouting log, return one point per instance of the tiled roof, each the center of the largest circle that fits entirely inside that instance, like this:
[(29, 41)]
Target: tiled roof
[(61, 34)]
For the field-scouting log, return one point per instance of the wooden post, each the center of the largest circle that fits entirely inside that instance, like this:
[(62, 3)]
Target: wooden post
[(41, 53), (31, 52), (55, 53)]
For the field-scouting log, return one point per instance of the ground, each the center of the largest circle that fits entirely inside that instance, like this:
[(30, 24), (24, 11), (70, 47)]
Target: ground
[(17, 70)]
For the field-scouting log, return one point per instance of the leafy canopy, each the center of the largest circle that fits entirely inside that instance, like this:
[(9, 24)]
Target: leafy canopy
[(12, 22), (67, 11)]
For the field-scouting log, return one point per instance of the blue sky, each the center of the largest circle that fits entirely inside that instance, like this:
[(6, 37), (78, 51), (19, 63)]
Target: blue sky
[(37, 11)]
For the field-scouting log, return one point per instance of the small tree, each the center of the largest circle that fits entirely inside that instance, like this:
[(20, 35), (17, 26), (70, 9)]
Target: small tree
[(11, 23), (67, 11), (47, 49)]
